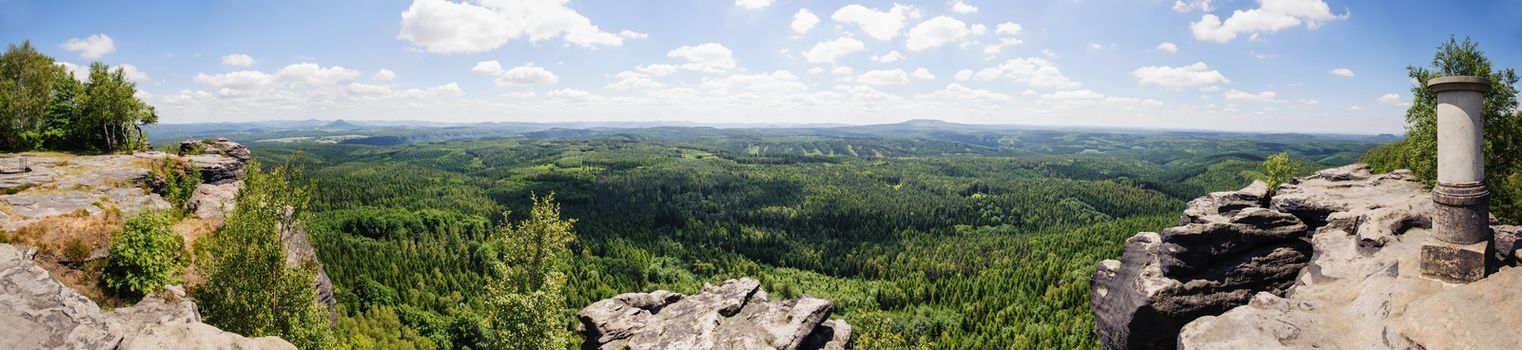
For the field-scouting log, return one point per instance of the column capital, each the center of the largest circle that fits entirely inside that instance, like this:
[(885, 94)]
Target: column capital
[(1458, 83)]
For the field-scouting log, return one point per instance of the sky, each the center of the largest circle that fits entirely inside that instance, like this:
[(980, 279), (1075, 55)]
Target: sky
[(1240, 65)]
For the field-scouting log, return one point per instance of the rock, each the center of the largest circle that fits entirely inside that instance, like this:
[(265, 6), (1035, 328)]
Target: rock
[(219, 146), (51, 204), (1354, 280), (298, 251), (1215, 261), (213, 201), (40, 313), (734, 314), (217, 169)]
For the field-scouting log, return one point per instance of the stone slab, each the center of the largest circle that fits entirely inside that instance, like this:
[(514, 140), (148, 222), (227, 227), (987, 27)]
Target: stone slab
[(1454, 263)]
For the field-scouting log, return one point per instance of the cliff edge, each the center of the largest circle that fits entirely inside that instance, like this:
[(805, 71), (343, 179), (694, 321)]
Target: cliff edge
[(1330, 261), (735, 314)]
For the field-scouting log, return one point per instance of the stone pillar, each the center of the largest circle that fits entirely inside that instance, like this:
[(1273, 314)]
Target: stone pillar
[(1461, 236)]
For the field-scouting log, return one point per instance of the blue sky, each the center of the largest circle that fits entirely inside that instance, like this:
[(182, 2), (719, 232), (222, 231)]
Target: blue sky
[(1266, 65)]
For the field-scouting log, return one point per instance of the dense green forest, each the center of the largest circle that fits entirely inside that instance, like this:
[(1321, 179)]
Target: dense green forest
[(924, 236)]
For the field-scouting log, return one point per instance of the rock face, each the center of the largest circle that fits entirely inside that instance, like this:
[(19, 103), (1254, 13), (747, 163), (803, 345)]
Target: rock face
[(1330, 261), (40, 313), (733, 315), (66, 185), (220, 161)]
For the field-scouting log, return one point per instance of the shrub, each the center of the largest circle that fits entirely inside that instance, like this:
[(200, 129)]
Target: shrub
[(177, 179), (145, 255), (76, 250), (1278, 169)]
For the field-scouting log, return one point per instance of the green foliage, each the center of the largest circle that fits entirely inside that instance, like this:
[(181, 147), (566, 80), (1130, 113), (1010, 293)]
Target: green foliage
[(1277, 170), (146, 255), (178, 180), (42, 106), (1503, 126), (250, 288), (525, 305)]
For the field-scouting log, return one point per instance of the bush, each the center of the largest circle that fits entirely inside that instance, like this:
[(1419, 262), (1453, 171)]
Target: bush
[(1278, 169), (145, 255), (177, 181)]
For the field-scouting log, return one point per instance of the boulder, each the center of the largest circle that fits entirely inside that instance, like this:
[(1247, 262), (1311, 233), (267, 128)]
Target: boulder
[(41, 313), (1217, 206), (213, 201), (220, 161), (735, 314)]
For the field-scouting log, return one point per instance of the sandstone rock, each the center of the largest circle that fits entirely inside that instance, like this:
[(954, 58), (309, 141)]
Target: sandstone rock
[(1217, 206), (217, 169), (51, 204), (298, 250), (40, 313), (213, 201), (733, 315), (219, 146)]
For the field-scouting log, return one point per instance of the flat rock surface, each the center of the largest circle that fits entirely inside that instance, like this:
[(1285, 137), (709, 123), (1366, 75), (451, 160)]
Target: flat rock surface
[(733, 315), (38, 312), (61, 184)]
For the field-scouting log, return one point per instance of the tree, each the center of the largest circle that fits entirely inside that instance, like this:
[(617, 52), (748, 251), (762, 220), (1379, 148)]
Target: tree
[(26, 87), (145, 255), (1277, 169), (250, 288), (109, 113), (526, 305), (1503, 127)]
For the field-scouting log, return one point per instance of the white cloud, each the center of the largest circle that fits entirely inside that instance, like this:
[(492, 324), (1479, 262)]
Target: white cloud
[(777, 82), (803, 21), (963, 75), (368, 89), (383, 75), (1029, 70), (708, 57), (91, 47), (629, 34), (753, 4), (880, 25), (890, 57), (1271, 16), (1342, 72), (842, 70), (132, 73), (923, 74), (935, 32), (1194, 75), (884, 77), (571, 95), (1354, 108), (1191, 5), (491, 67), (312, 74), (79, 72), (442, 26), (1085, 98), (1008, 28), (957, 92), (1049, 54), (629, 80), (962, 7), (237, 60), (241, 80), (527, 74), (656, 70), (1167, 47), (1391, 98), (816, 70), (1262, 96), (829, 51)]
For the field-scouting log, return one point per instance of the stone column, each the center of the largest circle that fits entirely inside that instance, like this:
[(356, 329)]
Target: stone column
[(1461, 237)]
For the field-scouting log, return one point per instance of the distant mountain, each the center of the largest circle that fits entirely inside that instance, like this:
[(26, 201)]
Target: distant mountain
[(340, 124)]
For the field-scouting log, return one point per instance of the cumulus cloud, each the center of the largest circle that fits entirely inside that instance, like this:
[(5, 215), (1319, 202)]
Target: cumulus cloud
[(1271, 16), (753, 4), (962, 7), (656, 70), (803, 21), (527, 74), (91, 47), (936, 32), (777, 82), (491, 67), (842, 70), (1029, 70), (1167, 47), (1084, 98), (1194, 75), (1262, 96), (1192, 5), (383, 75), (631, 80), (1391, 98), (443, 26), (923, 74), (884, 77), (880, 25), (829, 51), (312, 74), (1342, 72), (964, 75), (237, 60), (957, 92), (132, 73), (709, 57), (890, 57)]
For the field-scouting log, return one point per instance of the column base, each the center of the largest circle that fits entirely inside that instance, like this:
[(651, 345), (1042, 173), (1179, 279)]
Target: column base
[(1454, 263), (1462, 212)]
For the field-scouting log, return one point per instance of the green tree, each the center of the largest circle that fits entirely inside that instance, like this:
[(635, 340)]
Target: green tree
[(145, 255), (1503, 127), (250, 287), (26, 87), (1277, 169), (526, 307), (109, 112)]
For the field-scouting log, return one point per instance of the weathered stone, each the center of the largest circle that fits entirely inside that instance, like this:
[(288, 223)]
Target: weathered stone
[(1453, 262), (213, 201), (39, 205), (38, 312), (217, 169), (1485, 314), (219, 146), (733, 315), (1219, 206)]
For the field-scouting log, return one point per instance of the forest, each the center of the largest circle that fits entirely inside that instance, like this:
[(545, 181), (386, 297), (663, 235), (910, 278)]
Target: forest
[(924, 236)]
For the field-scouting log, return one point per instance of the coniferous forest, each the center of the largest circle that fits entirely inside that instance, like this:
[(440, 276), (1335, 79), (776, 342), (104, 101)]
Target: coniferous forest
[(922, 239)]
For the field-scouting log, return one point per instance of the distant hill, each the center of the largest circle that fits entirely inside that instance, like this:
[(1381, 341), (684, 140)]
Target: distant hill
[(340, 124)]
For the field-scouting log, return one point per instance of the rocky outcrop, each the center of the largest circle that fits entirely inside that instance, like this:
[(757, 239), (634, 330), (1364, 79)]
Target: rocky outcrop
[(220, 161), (1329, 261), (40, 313), (67, 185), (733, 315)]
